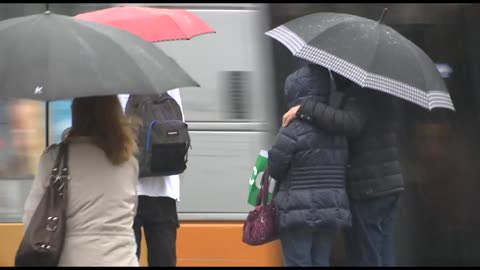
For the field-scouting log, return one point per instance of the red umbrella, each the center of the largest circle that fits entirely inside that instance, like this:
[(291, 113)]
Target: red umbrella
[(152, 24)]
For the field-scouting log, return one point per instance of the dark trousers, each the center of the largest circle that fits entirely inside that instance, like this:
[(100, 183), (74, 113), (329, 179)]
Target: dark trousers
[(307, 247), (369, 242), (159, 219)]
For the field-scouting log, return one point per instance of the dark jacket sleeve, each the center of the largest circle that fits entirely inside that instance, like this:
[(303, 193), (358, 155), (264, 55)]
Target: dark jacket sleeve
[(348, 121), (281, 153)]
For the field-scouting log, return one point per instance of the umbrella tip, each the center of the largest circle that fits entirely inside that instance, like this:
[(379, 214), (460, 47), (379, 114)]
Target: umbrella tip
[(383, 15)]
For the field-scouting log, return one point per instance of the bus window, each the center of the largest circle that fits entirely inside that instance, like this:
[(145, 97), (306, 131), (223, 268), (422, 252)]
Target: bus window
[(59, 119), (22, 134), (22, 140)]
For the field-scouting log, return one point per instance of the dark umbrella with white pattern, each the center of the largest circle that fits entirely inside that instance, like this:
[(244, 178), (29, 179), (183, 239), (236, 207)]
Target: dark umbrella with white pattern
[(368, 53)]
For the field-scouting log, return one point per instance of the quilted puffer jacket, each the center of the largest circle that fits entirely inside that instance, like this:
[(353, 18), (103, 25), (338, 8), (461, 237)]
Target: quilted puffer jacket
[(309, 163)]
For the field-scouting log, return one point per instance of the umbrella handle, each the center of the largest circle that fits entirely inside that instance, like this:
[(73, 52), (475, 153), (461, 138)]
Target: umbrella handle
[(384, 12)]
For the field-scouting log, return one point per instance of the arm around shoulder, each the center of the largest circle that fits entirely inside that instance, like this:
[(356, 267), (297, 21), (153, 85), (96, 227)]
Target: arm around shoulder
[(348, 121)]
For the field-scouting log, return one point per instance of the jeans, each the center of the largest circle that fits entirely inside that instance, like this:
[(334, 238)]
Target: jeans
[(307, 247), (369, 242), (159, 219)]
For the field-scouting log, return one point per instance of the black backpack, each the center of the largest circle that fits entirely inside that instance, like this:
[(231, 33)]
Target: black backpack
[(163, 139)]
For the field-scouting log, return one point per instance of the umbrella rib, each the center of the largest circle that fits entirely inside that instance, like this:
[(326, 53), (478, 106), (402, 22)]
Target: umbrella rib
[(16, 22), (374, 56), (409, 47), (128, 55), (88, 48), (431, 94), (187, 38)]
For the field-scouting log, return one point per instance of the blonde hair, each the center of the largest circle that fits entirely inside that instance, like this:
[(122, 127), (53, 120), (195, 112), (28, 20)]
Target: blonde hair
[(102, 118)]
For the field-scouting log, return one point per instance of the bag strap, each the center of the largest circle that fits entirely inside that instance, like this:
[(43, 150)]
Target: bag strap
[(276, 188), (189, 145), (60, 173), (147, 143), (262, 197), (58, 160), (64, 174)]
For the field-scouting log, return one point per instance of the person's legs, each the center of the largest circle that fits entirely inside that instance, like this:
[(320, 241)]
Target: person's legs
[(322, 246), (296, 247), (161, 245), (370, 238), (137, 226), (388, 250), (360, 242), (160, 226)]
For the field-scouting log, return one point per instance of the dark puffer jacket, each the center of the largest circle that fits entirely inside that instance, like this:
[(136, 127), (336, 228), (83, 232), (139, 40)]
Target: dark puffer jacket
[(308, 162), (375, 169)]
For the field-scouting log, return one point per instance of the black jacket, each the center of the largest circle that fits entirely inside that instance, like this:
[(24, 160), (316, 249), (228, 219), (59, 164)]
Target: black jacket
[(374, 152), (309, 163)]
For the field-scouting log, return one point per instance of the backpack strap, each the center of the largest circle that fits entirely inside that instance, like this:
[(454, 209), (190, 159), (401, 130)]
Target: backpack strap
[(189, 145), (149, 132)]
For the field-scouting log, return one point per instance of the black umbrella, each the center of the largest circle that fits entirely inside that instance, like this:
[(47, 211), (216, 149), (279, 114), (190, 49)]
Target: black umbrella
[(368, 53), (49, 57)]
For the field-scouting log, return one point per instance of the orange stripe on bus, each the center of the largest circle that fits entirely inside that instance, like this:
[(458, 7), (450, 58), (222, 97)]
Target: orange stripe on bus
[(198, 244)]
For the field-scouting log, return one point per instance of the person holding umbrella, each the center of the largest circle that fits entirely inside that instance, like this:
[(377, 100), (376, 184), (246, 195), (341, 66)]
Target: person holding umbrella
[(94, 194), (375, 177), (379, 63)]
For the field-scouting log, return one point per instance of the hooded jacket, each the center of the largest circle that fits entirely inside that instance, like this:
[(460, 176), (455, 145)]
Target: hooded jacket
[(309, 163)]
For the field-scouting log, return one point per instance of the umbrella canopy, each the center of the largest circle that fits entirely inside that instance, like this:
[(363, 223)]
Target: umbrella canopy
[(368, 53), (152, 24), (49, 57)]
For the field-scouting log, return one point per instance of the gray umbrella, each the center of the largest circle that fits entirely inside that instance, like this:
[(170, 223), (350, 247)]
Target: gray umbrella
[(49, 57), (368, 53)]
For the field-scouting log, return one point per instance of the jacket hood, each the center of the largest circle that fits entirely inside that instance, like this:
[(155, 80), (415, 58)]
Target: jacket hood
[(309, 81)]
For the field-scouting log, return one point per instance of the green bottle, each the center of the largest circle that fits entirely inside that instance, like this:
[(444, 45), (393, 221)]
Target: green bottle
[(256, 178)]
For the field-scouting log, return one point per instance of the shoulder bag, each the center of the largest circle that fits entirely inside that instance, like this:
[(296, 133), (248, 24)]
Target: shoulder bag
[(43, 240)]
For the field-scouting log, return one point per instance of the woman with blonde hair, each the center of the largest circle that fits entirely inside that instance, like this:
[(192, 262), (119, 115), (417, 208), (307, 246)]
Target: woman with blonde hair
[(102, 197)]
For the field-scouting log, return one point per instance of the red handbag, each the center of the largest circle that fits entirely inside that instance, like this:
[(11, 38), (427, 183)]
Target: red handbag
[(260, 226)]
